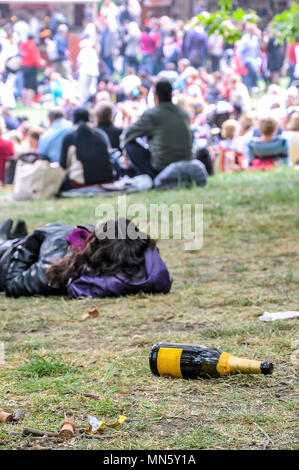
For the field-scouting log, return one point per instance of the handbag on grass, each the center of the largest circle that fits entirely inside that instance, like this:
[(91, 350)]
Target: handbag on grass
[(37, 180)]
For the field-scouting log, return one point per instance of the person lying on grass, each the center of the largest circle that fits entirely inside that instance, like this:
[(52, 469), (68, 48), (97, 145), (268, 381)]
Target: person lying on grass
[(111, 260)]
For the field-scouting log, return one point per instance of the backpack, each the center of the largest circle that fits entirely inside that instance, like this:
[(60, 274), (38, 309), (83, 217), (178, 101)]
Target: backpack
[(51, 49)]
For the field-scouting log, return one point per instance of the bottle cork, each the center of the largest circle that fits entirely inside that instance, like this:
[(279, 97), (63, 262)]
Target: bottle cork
[(67, 428), (5, 417)]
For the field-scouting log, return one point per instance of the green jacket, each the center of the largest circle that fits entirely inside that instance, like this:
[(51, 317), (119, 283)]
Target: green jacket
[(167, 129)]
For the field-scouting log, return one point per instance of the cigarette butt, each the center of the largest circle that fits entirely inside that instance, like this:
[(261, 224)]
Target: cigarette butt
[(5, 417), (67, 429)]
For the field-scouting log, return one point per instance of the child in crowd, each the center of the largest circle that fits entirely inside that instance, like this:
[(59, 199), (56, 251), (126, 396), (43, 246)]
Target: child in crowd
[(244, 135), (228, 132), (226, 157), (268, 149)]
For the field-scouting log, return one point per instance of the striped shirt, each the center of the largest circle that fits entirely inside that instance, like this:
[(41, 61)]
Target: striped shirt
[(274, 149)]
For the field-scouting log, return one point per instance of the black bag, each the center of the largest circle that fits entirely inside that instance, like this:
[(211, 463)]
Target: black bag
[(9, 170)]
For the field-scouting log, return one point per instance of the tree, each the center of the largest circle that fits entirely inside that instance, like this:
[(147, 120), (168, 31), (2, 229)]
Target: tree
[(286, 24), (225, 21)]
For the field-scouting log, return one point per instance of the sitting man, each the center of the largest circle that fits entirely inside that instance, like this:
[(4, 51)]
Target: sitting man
[(51, 140), (85, 154), (168, 132), (270, 147)]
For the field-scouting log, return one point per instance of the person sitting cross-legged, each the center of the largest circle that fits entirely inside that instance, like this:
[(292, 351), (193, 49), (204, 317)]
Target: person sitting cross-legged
[(168, 133), (85, 154)]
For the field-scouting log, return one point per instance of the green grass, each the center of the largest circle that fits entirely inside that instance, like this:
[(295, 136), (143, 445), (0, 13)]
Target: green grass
[(248, 264), (39, 366), (37, 116)]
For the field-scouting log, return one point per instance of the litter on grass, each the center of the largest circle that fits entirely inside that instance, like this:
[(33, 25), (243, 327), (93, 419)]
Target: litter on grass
[(278, 316), (96, 426)]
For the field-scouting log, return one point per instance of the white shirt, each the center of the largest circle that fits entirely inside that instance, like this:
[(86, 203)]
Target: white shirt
[(7, 99), (90, 32), (88, 61), (34, 27), (22, 29)]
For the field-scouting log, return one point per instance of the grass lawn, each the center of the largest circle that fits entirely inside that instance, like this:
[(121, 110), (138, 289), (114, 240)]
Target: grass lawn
[(248, 265), (37, 116)]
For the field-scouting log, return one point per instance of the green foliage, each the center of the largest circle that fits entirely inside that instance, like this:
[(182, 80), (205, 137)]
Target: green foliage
[(286, 24), (225, 21), (50, 365)]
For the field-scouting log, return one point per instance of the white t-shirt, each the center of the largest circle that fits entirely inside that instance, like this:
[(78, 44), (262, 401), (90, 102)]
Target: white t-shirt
[(22, 29), (88, 61)]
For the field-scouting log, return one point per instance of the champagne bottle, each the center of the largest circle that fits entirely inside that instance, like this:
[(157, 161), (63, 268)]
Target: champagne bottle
[(188, 361)]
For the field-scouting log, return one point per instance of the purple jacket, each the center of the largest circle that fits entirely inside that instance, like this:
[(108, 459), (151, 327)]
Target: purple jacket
[(157, 280)]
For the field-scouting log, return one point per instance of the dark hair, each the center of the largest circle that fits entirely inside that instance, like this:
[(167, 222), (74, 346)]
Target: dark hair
[(56, 113), (104, 113), (80, 114), (163, 90), (109, 251)]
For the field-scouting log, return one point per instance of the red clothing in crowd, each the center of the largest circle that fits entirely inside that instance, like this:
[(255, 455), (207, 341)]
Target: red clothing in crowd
[(6, 151), (30, 55), (291, 52)]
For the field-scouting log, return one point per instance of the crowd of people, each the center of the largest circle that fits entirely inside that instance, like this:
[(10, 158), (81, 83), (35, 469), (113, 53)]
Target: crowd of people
[(152, 99), (158, 92)]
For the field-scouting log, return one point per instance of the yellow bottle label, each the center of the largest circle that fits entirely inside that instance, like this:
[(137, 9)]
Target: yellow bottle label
[(223, 366), (169, 362)]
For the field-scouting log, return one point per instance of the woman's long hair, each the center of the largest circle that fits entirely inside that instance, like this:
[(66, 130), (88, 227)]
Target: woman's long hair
[(116, 247)]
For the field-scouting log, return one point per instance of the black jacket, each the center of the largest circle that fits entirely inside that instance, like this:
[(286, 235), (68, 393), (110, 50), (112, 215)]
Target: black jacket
[(92, 151), (26, 273), (112, 132)]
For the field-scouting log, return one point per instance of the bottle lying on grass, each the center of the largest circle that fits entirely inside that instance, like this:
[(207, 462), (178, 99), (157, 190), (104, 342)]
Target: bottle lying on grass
[(188, 361)]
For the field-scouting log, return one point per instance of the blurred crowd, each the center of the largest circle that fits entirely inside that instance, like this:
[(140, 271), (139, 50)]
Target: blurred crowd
[(238, 111)]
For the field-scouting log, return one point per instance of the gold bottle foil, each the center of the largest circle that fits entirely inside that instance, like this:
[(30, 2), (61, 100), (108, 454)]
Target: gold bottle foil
[(229, 364)]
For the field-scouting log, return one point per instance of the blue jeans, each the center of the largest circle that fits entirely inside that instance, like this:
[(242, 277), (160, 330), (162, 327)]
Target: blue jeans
[(250, 80), (147, 63), (291, 73), (19, 84), (109, 62)]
